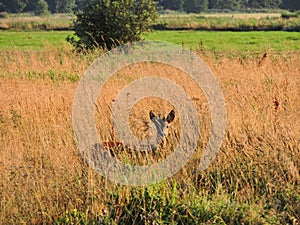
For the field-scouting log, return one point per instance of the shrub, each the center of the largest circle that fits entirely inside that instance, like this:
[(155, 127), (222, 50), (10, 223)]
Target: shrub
[(289, 15), (3, 15), (108, 23)]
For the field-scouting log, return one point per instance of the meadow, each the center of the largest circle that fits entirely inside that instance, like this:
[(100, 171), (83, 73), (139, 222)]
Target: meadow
[(231, 22), (272, 21), (254, 179), (196, 40)]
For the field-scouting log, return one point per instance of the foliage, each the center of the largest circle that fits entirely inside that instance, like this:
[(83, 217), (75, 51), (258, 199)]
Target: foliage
[(195, 6), (61, 6), (72, 217), (273, 4), (3, 14), (171, 4), (291, 5), (227, 4), (233, 5), (65, 6), (290, 15), (81, 4), (108, 23), (40, 7), (69, 6), (12, 6)]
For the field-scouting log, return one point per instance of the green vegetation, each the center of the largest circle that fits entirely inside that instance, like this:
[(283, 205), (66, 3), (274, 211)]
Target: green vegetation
[(21, 22), (163, 204), (229, 22), (201, 40), (172, 21), (40, 7), (107, 24), (289, 15), (69, 6), (195, 6), (226, 41), (32, 40)]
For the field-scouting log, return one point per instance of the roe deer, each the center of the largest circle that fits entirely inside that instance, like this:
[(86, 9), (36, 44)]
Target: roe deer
[(161, 125)]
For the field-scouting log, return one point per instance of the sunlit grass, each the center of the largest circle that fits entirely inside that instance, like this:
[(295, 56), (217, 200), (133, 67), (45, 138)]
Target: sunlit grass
[(254, 179)]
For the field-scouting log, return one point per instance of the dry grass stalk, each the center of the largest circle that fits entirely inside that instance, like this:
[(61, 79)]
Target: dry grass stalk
[(42, 174)]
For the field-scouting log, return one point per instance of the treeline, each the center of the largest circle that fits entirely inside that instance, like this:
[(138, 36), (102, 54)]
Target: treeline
[(40, 7), (196, 6)]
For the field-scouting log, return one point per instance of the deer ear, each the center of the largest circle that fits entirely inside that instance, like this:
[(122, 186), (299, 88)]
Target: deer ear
[(151, 115), (171, 116)]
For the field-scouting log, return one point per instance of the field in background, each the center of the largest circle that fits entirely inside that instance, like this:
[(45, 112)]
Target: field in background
[(29, 22), (32, 40), (230, 41), (174, 21), (197, 40), (245, 15), (254, 179), (230, 21)]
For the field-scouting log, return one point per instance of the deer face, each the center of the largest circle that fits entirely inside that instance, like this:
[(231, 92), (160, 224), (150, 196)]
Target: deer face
[(162, 124)]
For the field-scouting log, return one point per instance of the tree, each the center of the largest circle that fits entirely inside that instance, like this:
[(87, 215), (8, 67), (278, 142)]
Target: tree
[(243, 4), (271, 3), (171, 4), (226, 4), (291, 5), (81, 4), (40, 7), (65, 6), (107, 23), (51, 5), (195, 6), (13, 6), (61, 6), (255, 4)]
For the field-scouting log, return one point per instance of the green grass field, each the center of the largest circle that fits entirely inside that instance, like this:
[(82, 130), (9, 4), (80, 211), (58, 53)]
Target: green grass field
[(231, 40), (208, 40), (32, 39)]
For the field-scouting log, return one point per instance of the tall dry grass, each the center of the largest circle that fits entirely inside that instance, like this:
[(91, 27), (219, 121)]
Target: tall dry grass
[(254, 179), (28, 22)]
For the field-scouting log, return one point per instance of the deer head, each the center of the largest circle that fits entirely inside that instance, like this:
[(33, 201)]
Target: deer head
[(162, 125)]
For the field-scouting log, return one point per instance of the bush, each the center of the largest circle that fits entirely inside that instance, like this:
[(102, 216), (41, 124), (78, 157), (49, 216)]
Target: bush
[(289, 15), (109, 23), (3, 15)]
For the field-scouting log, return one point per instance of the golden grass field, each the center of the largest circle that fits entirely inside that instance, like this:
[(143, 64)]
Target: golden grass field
[(246, 15), (44, 179)]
